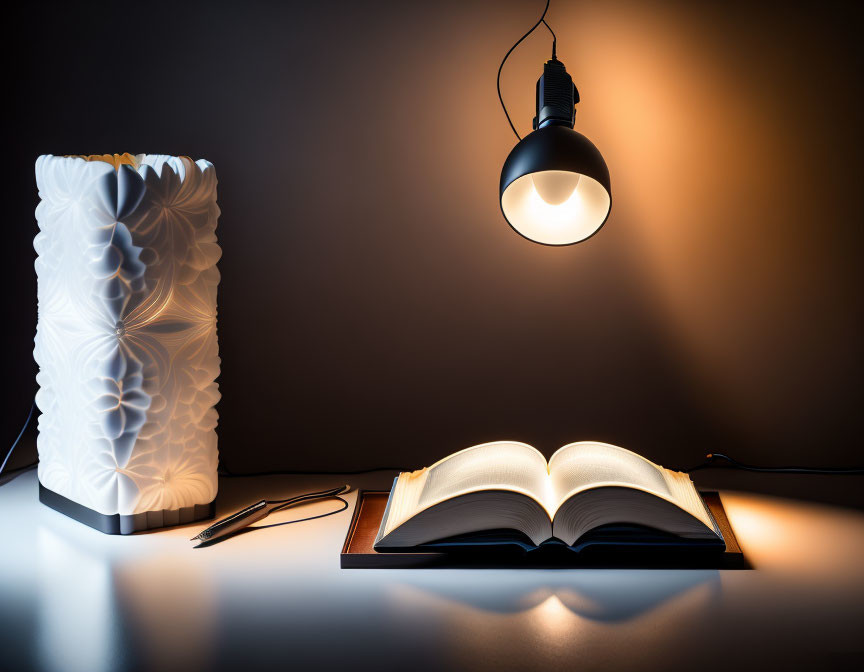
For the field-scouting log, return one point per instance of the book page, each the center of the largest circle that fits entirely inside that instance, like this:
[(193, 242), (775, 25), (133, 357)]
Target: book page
[(500, 465), (507, 466), (589, 464)]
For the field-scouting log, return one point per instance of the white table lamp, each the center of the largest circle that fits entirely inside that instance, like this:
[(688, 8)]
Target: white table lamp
[(126, 339)]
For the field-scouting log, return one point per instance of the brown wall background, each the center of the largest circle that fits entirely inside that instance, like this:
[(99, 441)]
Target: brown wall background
[(376, 309)]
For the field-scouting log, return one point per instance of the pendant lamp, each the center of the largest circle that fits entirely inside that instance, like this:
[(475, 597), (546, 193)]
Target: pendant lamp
[(555, 187)]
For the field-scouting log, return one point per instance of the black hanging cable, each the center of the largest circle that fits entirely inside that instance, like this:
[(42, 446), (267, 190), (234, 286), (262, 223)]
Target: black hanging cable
[(554, 40), (721, 461), (501, 67)]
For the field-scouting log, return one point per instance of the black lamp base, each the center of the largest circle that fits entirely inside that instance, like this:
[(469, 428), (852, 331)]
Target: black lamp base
[(125, 524)]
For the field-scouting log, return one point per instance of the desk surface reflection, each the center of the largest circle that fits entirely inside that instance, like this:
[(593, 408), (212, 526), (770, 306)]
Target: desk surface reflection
[(74, 599)]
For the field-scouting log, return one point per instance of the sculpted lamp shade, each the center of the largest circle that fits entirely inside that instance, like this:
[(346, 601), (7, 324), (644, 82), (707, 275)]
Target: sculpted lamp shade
[(126, 339)]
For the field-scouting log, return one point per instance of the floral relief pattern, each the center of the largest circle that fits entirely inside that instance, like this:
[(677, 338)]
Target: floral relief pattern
[(126, 338)]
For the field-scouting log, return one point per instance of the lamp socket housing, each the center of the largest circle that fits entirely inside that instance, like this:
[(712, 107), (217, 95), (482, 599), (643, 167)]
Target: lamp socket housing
[(557, 97)]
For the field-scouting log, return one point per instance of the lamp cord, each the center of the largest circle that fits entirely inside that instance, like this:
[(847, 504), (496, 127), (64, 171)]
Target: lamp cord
[(225, 473), (15, 443), (554, 40), (290, 501), (721, 461), (712, 460), (519, 41), (303, 520)]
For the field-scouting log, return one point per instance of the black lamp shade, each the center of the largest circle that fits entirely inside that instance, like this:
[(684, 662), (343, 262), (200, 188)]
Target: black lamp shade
[(555, 187)]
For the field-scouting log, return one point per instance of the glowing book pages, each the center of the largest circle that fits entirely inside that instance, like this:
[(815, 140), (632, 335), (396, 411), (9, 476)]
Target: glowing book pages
[(507, 485), (126, 337)]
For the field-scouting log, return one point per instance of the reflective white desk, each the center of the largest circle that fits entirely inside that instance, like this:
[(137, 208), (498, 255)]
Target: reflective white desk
[(74, 599)]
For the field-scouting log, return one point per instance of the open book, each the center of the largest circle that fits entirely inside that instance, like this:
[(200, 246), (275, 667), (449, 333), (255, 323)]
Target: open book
[(586, 489)]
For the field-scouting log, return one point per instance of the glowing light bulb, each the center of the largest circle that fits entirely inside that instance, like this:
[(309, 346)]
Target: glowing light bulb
[(555, 186)]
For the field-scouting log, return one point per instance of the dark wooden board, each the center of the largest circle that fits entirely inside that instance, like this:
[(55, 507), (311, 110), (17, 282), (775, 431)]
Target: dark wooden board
[(357, 552)]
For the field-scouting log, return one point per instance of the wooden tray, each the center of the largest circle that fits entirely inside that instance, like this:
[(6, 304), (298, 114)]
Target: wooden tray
[(357, 552)]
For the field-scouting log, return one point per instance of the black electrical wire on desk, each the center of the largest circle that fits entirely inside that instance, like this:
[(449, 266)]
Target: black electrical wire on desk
[(232, 474), (712, 461), (721, 461)]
